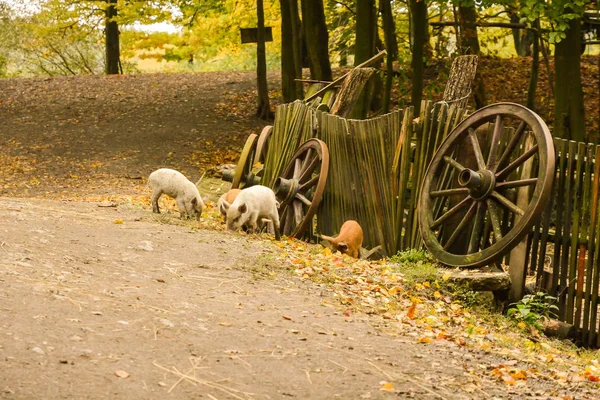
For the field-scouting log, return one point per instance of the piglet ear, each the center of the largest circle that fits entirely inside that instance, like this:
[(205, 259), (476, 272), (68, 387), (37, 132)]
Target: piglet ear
[(225, 205), (342, 247), (242, 208)]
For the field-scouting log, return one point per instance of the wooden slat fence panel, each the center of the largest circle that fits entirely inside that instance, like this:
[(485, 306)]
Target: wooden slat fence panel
[(569, 232)]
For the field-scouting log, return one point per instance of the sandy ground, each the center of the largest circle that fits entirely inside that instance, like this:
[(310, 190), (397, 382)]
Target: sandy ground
[(112, 302)]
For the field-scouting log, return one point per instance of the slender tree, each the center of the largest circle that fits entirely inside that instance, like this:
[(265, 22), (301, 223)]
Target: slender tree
[(264, 108), (111, 35), (364, 48), (419, 38), (317, 39), (288, 70), (391, 45), (470, 43), (291, 62), (297, 44), (535, 65)]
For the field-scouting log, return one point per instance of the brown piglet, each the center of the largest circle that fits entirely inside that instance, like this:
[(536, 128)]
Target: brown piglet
[(349, 240), (228, 197)]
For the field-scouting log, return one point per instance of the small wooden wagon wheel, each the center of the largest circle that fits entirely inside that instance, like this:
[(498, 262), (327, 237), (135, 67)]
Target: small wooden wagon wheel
[(478, 192), (300, 187), (263, 144), (242, 175)]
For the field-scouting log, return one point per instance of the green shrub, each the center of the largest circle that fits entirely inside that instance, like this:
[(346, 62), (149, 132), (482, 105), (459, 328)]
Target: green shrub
[(533, 309)]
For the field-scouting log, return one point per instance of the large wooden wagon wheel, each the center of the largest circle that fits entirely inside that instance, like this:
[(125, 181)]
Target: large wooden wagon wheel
[(300, 187), (242, 175), (487, 194)]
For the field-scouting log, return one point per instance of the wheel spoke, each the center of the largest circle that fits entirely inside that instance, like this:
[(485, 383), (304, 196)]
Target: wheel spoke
[(492, 157), (298, 213), (477, 227), (288, 220), (303, 199), (310, 183), (451, 212), (495, 218), (297, 168), (309, 170), (511, 146), (307, 157), (513, 184), (507, 203), (466, 219), (282, 219), (476, 149), (454, 163), (449, 192), (515, 164)]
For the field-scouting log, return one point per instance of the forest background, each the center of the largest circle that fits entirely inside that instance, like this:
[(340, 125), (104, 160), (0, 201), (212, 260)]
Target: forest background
[(548, 47)]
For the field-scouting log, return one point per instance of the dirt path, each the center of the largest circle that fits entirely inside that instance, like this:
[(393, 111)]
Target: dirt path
[(96, 135), (84, 299)]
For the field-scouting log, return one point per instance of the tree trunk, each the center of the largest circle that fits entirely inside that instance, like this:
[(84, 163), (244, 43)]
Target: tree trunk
[(470, 44), (317, 39), (288, 67), (391, 45), (111, 34), (516, 32), (350, 91), (264, 109), (568, 96), (297, 43), (364, 48), (460, 79), (418, 36), (535, 66)]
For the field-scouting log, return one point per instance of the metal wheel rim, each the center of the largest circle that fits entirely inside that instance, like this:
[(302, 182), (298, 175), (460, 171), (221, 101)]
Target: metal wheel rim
[(541, 192), (244, 165), (312, 149)]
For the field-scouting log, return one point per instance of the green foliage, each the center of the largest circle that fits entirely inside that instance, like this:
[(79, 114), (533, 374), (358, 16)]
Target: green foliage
[(463, 294), (533, 309), (556, 14), (416, 265)]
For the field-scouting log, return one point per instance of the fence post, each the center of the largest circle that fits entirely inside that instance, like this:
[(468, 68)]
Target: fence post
[(518, 255)]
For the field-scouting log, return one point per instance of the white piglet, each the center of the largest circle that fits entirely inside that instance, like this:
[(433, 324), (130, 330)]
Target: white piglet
[(250, 206), (174, 184)]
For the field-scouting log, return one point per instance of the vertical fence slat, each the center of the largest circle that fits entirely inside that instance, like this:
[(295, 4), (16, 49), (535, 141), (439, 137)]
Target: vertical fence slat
[(561, 145), (588, 227), (574, 233), (593, 264)]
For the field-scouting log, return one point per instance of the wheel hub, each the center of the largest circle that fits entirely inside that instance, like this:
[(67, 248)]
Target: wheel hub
[(480, 183), (285, 189)]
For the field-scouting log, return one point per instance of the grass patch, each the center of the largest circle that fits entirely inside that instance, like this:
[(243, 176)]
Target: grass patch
[(417, 266)]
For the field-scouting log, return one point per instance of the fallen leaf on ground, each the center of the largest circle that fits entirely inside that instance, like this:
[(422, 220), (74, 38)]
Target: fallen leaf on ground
[(121, 374)]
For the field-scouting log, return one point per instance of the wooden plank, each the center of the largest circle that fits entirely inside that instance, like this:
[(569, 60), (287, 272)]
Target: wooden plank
[(404, 172), (250, 35), (573, 259)]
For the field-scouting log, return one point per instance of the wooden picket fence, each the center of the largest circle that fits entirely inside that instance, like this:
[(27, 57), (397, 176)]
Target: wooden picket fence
[(564, 246)]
